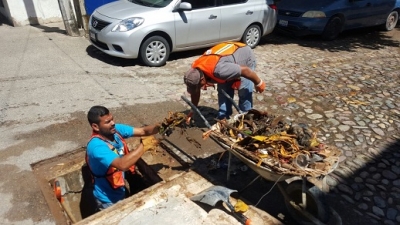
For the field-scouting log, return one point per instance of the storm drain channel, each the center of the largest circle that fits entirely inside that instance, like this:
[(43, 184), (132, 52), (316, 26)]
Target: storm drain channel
[(66, 182)]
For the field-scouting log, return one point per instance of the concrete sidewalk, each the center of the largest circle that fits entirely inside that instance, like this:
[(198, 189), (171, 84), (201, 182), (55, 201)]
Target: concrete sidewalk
[(47, 78)]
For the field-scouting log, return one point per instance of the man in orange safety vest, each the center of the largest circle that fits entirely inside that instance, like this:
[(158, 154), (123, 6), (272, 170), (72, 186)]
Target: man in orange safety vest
[(231, 66)]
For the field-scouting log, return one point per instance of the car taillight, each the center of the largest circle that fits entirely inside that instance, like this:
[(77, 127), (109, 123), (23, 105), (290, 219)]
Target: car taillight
[(273, 6)]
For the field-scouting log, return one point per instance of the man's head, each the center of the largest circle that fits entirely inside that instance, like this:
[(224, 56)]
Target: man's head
[(193, 79), (101, 120)]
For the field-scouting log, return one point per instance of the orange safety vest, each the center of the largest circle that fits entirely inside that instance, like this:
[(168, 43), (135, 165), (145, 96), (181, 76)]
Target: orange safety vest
[(113, 175), (210, 58)]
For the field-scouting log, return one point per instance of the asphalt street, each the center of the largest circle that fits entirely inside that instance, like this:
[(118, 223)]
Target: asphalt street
[(348, 88)]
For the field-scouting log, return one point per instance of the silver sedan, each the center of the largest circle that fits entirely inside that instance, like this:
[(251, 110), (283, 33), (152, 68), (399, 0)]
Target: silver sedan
[(151, 29)]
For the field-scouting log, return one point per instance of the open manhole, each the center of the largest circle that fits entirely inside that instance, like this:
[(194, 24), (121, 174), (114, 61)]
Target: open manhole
[(66, 182)]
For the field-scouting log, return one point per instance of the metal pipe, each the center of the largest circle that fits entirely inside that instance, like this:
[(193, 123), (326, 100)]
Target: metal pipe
[(228, 170), (231, 100), (251, 182), (303, 193), (197, 110)]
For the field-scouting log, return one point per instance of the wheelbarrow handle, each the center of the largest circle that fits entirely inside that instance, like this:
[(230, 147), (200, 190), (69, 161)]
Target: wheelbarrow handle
[(242, 218), (196, 110)]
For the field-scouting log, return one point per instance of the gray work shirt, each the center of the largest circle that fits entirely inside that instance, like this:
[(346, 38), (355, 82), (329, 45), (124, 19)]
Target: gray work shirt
[(228, 67)]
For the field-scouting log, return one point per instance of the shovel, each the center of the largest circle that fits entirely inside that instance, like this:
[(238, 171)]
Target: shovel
[(196, 110), (214, 194)]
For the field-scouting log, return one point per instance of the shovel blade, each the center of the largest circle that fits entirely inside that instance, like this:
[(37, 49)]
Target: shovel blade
[(213, 195)]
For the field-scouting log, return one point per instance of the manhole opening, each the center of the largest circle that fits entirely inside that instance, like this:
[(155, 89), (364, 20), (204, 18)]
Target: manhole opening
[(66, 182)]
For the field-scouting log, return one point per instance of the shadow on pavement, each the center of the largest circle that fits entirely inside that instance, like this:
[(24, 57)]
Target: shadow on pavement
[(186, 54), (47, 29), (370, 38), (209, 114), (115, 61), (371, 193)]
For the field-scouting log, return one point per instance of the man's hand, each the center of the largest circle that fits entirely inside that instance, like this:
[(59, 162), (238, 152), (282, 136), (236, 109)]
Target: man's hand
[(149, 143), (189, 117), (260, 87)]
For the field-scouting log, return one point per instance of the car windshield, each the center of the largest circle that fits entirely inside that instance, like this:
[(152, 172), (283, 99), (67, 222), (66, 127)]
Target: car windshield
[(152, 3)]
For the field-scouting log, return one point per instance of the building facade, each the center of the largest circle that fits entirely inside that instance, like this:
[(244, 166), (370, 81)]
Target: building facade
[(30, 12)]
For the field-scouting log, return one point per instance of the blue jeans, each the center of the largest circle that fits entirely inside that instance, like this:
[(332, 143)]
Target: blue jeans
[(102, 205), (245, 93)]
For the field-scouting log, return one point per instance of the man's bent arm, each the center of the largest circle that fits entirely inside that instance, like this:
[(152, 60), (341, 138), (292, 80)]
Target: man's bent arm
[(128, 160), (146, 130), (248, 73), (195, 97)]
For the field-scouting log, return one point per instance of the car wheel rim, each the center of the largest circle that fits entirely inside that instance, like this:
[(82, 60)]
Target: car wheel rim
[(156, 52), (391, 21), (252, 36)]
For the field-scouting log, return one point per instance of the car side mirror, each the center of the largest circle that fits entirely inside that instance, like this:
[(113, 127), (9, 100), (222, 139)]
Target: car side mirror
[(183, 6)]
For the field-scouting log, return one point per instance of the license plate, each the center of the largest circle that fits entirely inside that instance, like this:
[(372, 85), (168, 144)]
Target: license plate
[(283, 23), (93, 35)]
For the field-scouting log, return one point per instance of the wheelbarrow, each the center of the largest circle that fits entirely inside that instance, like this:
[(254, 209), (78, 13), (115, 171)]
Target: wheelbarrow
[(304, 201)]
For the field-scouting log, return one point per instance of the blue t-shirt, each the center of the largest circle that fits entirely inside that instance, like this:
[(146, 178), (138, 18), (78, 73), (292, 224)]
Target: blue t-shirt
[(100, 157)]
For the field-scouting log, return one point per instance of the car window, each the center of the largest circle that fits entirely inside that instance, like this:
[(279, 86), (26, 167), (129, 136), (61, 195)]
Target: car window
[(152, 3), (231, 2), (199, 4)]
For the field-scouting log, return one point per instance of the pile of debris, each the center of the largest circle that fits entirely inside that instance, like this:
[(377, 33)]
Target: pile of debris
[(174, 119), (276, 143)]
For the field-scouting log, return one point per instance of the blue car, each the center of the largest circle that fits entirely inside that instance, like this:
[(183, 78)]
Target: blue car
[(329, 18)]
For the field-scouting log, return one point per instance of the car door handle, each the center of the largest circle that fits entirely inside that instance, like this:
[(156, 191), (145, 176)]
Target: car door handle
[(249, 12), (212, 17)]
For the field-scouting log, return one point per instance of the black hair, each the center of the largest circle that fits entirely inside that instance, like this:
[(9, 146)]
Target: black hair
[(95, 113)]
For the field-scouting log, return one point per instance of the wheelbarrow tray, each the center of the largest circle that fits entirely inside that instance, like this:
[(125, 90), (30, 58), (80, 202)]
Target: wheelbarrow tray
[(265, 171), (270, 171)]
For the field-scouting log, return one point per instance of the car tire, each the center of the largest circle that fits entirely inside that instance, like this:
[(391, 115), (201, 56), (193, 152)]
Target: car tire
[(332, 29), (154, 51), (391, 21), (316, 203), (252, 36)]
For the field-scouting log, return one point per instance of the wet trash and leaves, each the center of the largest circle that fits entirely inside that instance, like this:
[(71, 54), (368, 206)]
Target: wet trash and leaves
[(174, 119), (276, 142), (272, 141)]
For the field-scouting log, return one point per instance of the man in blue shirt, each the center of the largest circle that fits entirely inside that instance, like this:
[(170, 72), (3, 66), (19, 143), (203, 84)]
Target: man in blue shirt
[(108, 156)]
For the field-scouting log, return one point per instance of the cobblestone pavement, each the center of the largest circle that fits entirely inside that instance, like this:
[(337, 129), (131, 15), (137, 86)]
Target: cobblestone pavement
[(348, 88)]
